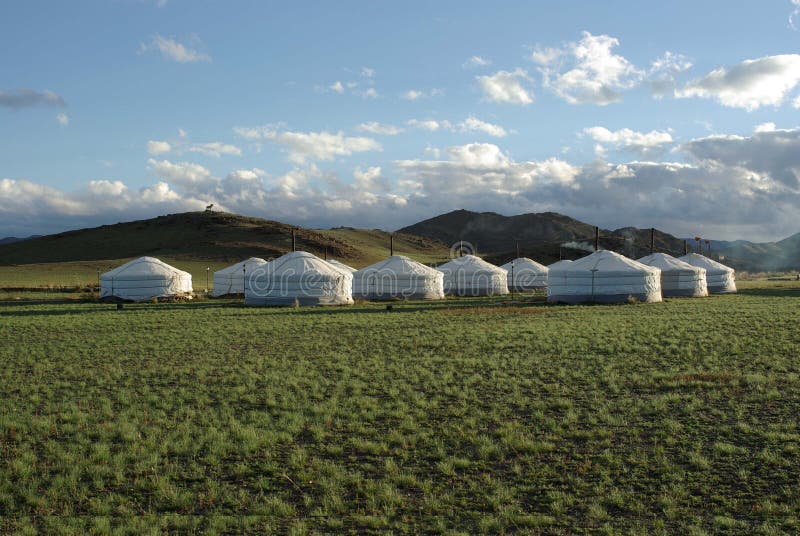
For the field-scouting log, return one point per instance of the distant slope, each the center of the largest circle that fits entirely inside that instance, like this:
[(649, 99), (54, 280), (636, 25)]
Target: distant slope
[(547, 236), (490, 232), (213, 236), (12, 239)]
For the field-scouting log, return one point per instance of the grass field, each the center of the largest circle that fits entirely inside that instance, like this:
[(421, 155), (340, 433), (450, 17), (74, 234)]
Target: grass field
[(463, 416)]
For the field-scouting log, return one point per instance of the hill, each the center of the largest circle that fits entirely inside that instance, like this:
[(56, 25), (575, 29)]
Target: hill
[(192, 241), (546, 236)]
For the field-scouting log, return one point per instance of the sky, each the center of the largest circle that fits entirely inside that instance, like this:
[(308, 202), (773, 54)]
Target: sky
[(677, 115)]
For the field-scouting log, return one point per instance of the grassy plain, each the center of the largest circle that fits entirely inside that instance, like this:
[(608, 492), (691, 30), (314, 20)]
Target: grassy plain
[(462, 416)]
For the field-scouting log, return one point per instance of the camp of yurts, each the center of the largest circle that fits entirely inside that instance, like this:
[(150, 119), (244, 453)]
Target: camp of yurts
[(720, 279), (603, 277), (230, 280), (525, 274), (342, 266), (298, 278), (398, 277), (678, 278), (143, 279), (472, 276)]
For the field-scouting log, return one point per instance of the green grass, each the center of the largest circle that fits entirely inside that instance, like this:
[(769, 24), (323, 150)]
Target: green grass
[(463, 416)]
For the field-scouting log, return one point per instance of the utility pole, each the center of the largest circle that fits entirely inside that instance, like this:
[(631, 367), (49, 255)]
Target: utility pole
[(294, 240), (652, 240), (685, 248), (517, 241), (597, 238), (391, 245)]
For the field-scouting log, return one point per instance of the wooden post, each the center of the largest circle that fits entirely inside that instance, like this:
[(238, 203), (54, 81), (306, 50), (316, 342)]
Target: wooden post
[(652, 240), (326, 253), (685, 248), (391, 245), (294, 240), (597, 238), (517, 241), (460, 248)]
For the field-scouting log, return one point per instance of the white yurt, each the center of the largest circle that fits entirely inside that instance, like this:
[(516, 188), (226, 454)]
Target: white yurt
[(603, 277), (525, 274), (678, 278), (472, 276), (398, 277), (230, 280), (298, 277), (559, 264), (342, 266), (720, 279), (143, 279)]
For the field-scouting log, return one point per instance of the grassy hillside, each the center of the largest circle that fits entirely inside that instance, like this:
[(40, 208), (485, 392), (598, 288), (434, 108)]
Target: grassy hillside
[(193, 242), (463, 416)]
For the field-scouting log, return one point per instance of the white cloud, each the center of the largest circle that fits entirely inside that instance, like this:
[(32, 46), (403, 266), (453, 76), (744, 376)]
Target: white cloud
[(337, 87), (764, 127), (417, 94), (63, 119), (587, 71), (642, 143), (367, 72), (471, 124), (181, 145), (793, 15), (731, 186), (373, 127), (664, 70), (476, 61), (305, 146), (175, 51), (430, 125), (188, 176), (507, 87), (369, 93), (750, 85), (156, 147), (215, 149)]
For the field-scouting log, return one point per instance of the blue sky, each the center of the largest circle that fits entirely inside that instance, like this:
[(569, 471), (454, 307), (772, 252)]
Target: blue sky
[(678, 115)]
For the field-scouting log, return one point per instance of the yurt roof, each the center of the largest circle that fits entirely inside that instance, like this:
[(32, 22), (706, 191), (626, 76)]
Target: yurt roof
[(249, 264), (701, 261), (667, 263), (400, 265), (302, 262), (559, 264), (607, 263), (144, 267), (341, 265), (470, 264), (524, 263)]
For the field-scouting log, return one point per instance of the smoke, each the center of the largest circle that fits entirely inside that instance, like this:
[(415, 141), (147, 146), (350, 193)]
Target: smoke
[(583, 246)]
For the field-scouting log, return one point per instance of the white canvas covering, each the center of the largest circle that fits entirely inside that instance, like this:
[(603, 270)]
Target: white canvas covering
[(342, 266), (398, 277), (143, 279), (525, 274), (559, 264), (472, 276), (603, 277), (720, 279), (298, 277), (230, 280), (678, 278)]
